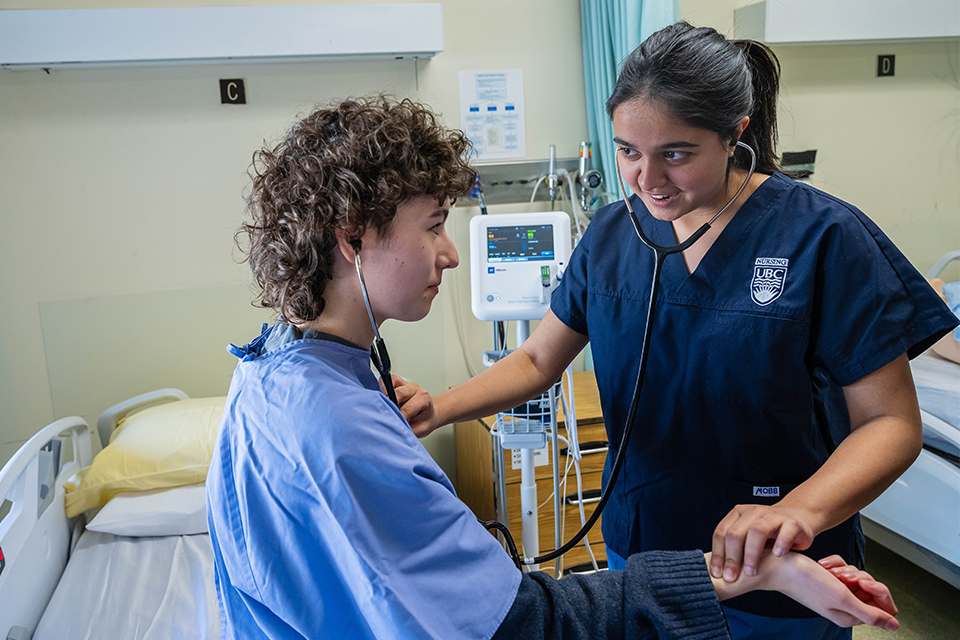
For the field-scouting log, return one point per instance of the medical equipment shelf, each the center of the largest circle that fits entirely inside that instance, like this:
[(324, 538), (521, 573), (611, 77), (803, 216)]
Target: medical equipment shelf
[(477, 480)]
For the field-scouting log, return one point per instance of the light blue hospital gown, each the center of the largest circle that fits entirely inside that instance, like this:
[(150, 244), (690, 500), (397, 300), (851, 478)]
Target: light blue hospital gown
[(327, 516)]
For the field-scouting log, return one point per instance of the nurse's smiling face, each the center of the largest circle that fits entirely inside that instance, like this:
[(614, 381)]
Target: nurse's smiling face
[(676, 169)]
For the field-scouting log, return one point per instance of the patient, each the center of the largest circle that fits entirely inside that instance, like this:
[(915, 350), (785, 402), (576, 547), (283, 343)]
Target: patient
[(328, 518)]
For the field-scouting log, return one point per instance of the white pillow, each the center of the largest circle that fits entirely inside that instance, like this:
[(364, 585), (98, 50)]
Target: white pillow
[(159, 512)]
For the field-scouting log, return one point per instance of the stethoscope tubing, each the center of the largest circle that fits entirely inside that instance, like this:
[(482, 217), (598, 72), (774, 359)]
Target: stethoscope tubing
[(378, 351), (660, 255)]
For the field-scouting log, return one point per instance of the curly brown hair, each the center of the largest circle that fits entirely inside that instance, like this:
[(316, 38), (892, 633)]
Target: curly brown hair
[(345, 166)]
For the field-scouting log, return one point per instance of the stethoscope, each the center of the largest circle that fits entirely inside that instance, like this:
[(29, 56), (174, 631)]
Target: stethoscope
[(381, 360), (378, 351), (660, 254)]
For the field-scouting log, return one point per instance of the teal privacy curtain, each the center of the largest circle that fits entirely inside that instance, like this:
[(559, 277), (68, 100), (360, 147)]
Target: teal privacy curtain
[(611, 30)]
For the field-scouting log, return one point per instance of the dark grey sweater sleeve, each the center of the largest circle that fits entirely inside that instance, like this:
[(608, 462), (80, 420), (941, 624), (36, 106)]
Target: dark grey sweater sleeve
[(661, 594)]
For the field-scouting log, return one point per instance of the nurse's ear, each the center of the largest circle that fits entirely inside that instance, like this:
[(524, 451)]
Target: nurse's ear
[(736, 135)]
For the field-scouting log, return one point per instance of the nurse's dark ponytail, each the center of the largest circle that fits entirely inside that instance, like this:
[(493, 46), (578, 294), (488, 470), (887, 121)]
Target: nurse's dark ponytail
[(761, 133), (710, 83)]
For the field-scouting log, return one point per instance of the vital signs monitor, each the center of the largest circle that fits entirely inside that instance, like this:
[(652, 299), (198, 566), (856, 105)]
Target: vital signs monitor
[(516, 260)]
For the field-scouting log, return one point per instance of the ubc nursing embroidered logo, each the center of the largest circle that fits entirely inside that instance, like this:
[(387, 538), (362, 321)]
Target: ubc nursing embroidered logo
[(769, 275)]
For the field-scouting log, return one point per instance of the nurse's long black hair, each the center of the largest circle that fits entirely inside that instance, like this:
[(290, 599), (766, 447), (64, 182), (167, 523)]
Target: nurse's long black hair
[(708, 82)]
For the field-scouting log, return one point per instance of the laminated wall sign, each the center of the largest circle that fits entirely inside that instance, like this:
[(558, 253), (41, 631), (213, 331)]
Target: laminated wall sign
[(491, 112)]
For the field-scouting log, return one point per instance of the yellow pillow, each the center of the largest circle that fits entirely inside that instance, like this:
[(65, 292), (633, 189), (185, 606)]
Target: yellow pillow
[(161, 447)]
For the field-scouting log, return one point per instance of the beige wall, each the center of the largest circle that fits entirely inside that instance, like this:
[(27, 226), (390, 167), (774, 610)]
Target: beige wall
[(120, 190), (890, 146)]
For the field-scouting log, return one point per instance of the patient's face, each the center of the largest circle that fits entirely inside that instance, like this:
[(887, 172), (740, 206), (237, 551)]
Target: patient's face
[(403, 270)]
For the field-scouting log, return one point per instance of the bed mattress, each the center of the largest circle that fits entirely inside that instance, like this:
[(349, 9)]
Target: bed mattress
[(938, 390), (135, 589)]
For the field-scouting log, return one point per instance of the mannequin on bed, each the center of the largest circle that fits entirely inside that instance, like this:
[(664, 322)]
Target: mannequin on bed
[(948, 346), (327, 517)]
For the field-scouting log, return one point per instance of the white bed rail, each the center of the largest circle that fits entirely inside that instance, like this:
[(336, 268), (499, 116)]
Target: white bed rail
[(111, 417), (944, 260), (35, 532)]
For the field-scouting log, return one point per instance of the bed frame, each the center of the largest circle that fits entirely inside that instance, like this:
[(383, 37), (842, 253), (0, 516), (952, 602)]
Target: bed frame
[(918, 516), (35, 534)]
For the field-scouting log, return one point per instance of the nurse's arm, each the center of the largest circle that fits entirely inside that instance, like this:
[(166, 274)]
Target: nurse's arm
[(885, 439), (524, 374)]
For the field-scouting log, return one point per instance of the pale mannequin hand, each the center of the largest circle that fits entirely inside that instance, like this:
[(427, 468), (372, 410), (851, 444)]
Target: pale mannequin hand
[(838, 592), (416, 405), (742, 536), (861, 584)]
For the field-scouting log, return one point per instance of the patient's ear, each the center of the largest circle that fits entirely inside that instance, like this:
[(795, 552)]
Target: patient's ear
[(345, 243)]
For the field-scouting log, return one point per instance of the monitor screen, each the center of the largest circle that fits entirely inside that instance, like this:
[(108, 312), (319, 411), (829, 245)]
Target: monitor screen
[(520, 243)]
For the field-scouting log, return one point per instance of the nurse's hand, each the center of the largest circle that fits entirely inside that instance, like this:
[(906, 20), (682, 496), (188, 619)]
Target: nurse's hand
[(416, 405), (742, 536), (841, 593)]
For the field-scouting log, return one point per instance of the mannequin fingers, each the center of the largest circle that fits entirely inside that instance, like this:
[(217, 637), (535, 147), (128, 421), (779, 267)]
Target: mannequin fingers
[(833, 561), (881, 595)]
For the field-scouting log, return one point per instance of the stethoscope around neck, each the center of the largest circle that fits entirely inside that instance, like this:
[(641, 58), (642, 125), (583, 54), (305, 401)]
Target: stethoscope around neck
[(660, 254), (378, 351)]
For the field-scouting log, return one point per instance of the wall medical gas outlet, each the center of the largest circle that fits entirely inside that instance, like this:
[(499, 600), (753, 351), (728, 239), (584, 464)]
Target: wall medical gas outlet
[(516, 261)]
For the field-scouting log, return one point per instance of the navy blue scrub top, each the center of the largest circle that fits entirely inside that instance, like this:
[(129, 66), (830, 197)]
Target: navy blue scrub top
[(799, 296)]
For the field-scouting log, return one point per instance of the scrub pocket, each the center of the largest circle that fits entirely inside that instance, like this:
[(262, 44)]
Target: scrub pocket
[(757, 361)]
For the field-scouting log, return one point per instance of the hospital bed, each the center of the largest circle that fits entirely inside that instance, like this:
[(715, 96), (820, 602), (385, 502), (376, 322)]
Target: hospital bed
[(918, 516), (60, 578)]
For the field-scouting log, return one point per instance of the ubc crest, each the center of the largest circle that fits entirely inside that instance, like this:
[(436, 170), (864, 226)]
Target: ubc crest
[(769, 275)]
